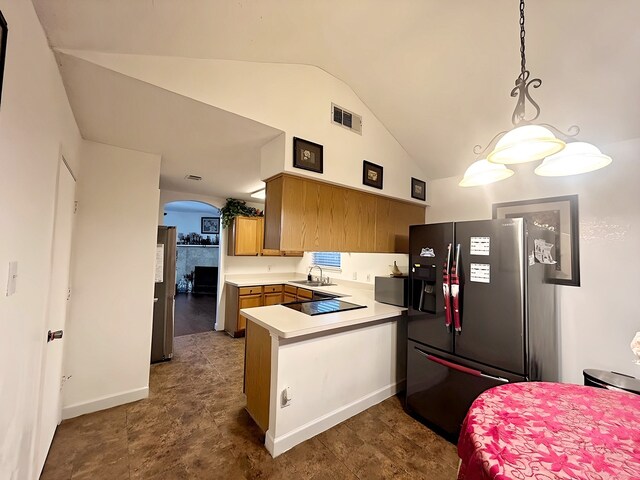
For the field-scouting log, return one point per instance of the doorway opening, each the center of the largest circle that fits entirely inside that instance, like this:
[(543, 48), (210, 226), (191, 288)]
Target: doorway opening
[(197, 261)]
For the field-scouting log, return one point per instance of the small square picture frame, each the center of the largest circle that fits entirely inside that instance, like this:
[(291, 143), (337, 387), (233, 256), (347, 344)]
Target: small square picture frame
[(418, 189), (307, 155), (372, 174), (210, 225)]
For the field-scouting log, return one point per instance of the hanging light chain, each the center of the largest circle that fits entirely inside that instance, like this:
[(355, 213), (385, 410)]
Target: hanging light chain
[(521, 90), (523, 59)]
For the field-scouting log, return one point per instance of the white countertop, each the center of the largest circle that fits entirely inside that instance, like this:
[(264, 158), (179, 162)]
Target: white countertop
[(288, 323)]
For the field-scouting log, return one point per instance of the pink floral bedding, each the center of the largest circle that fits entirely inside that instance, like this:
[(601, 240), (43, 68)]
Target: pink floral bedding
[(547, 431)]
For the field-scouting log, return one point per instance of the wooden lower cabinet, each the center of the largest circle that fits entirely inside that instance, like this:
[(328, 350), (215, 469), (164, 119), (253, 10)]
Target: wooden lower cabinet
[(257, 373), (235, 300), (238, 298)]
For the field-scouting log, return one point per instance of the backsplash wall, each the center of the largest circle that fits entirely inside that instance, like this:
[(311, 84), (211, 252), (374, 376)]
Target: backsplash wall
[(360, 267)]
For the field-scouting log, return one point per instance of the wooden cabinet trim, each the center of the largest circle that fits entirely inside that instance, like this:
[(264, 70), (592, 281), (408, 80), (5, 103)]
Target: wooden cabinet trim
[(290, 289)]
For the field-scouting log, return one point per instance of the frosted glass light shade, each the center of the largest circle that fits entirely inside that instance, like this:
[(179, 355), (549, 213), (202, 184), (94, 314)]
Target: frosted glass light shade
[(577, 157), (525, 144), (483, 172)]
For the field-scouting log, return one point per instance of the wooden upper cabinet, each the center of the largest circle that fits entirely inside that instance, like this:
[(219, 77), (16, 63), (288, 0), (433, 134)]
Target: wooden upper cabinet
[(308, 215), (245, 236)]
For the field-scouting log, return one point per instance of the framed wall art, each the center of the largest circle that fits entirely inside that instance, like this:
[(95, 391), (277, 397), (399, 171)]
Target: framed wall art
[(418, 189), (372, 174), (210, 225), (4, 30), (307, 155), (560, 216)]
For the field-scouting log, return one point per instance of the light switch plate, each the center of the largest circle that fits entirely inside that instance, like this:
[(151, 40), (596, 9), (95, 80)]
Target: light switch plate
[(13, 278)]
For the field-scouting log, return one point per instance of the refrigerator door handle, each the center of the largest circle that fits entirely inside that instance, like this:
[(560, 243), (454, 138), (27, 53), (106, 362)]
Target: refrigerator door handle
[(455, 291), (460, 368), (446, 290)]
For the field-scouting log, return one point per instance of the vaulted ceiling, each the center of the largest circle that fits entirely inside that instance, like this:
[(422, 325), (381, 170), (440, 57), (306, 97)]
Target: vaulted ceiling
[(436, 73)]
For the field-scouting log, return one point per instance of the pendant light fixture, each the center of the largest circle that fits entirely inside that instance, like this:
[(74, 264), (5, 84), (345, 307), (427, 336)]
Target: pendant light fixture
[(528, 142)]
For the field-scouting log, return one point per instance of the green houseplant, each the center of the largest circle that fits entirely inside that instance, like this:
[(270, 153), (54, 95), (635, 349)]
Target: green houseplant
[(237, 208)]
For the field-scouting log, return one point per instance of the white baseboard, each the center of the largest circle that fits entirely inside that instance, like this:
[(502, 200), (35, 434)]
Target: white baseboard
[(103, 403), (281, 444)]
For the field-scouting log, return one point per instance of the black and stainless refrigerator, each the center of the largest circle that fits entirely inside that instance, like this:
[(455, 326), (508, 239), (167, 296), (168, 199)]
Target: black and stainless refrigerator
[(481, 314), (164, 295)]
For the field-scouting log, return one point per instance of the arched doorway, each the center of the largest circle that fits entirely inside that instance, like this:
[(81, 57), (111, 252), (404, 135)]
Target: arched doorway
[(198, 236)]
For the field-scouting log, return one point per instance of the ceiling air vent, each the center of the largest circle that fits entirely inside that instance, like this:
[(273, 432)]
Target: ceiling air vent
[(193, 177), (345, 118)]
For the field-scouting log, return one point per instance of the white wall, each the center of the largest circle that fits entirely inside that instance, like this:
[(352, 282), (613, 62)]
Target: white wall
[(109, 327), (293, 98), (598, 319), (36, 124)]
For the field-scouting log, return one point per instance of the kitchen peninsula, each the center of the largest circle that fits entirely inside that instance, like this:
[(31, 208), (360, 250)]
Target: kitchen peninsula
[(305, 374)]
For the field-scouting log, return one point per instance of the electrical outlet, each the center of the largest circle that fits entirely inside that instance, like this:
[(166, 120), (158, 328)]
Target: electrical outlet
[(268, 268), (355, 275), (285, 397), (368, 277)]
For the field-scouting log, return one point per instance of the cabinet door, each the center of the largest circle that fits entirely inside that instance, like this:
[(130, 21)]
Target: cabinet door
[(359, 222), (248, 235), (272, 298), (393, 219), (289, 297), (247, 301), (304, 294)]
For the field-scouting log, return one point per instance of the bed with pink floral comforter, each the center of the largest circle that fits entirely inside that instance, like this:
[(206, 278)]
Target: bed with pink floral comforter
[(547, 431)]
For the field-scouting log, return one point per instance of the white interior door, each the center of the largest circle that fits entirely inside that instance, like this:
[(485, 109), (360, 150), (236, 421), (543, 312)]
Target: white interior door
[(50, 404)]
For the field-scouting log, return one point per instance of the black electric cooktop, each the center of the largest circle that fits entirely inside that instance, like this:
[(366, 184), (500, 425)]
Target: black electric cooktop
[(319, 307)]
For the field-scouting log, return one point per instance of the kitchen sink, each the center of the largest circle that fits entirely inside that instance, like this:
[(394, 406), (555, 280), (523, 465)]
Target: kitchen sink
[(312, 283)]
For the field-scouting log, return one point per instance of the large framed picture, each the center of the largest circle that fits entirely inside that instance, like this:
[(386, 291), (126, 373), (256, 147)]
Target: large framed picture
[(372, 174), (560, 216), (418, 189), (307, 155), (210, 225), (3, 48)]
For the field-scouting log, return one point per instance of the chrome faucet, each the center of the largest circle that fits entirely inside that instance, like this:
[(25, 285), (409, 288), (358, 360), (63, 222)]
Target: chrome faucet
[(310, 278)]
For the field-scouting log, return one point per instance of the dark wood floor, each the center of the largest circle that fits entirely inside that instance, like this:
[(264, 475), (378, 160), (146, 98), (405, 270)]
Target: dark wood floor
[(194, 426), (194, 314)]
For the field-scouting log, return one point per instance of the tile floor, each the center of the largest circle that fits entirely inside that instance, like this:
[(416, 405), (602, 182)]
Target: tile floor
[(194, 426)]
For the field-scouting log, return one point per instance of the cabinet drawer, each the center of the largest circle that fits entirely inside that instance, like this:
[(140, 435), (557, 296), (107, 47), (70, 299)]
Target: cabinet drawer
[(290, 289), (272, 288), (304, 293), (249, 290)]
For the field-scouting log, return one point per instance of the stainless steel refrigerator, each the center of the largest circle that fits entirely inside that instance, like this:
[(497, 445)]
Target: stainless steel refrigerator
[(164, 295), (480, 314)]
